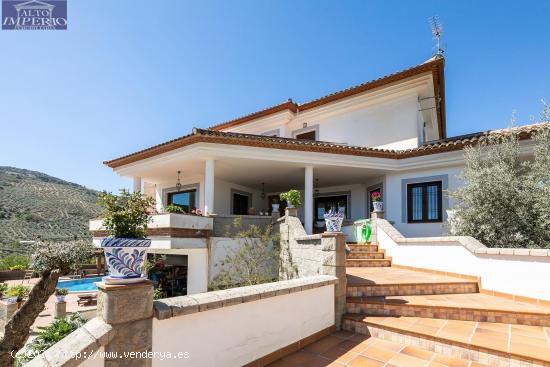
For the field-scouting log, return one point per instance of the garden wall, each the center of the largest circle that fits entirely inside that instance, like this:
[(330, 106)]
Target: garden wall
[(522, 272)]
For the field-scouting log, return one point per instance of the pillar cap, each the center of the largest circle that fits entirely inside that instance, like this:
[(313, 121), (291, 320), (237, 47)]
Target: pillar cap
[(112, 287)]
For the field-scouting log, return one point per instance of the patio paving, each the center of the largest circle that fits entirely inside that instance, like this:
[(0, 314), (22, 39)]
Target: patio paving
[(349, 349)]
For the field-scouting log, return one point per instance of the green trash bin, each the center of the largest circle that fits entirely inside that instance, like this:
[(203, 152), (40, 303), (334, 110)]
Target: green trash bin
[(362, 230)]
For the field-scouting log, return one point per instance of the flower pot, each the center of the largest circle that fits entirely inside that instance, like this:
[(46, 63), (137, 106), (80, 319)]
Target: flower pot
[(334, 221), (60, 299), (378, 206), (124, 258), (11, 300), (289, 205), (275, 207)]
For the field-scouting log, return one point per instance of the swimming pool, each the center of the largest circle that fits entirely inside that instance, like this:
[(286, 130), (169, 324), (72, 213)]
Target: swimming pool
[(79, 285)]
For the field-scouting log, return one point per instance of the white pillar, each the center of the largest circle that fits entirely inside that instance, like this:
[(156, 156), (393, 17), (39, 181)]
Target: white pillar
[(209, 186), (159, 205), (308, 200), (137, 184)]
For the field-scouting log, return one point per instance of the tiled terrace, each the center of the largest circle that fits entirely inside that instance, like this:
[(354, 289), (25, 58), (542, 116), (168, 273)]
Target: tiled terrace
[(349, 349)]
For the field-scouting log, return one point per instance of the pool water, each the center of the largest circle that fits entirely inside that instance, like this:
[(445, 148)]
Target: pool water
[(79, 285)]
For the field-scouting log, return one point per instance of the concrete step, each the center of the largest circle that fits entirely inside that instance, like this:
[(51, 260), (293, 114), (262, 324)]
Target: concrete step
[(354, 255), (370, 247), (494, 344), (466, 307), (360, 263)]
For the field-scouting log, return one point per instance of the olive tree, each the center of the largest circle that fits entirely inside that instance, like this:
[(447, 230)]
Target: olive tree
[(49, 260), (505, 199), (255, 259)]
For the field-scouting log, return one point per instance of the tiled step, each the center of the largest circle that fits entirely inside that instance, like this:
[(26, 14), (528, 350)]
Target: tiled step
[(366, 282), (368, 263), (466, 307), (370, 247), (349, 349), (354, 255), (494, 344), (358, 290)]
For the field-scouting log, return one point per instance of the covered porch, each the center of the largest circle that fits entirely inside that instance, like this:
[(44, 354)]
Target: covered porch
[(229, 180)]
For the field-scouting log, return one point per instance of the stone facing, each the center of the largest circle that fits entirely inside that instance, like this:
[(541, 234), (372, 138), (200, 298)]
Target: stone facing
[(185, 305)]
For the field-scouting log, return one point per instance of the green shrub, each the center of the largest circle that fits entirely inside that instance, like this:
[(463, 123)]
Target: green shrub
[(19, 291), (49, 335), (125, 215), (174, 209), (292, 196), (61, 291), (14, 260), (17, 268), (3, 288)]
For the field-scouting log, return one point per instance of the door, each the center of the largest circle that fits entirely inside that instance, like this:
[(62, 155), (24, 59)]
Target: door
[(240, 204)]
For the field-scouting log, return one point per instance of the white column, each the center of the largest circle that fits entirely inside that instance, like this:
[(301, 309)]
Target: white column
[(137, 184), (308, 199), (209, 186), (159, 205)]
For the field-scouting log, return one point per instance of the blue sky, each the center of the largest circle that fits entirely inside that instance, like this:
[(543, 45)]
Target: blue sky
[(129, 74)]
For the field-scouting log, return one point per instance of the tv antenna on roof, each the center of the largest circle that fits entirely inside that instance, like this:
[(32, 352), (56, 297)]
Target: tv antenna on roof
[(437, 33)]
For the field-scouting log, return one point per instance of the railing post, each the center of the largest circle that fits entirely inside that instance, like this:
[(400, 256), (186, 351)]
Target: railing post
[(129, 310), (334, 263)]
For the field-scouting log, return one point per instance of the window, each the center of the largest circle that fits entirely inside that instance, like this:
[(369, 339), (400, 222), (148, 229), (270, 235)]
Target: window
[(184, 199), (325, 204), (240, 204), (310, 135), (424, 202)]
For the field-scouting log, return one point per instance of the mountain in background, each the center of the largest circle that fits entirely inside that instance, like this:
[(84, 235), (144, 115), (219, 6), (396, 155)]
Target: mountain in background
[(33, 204)]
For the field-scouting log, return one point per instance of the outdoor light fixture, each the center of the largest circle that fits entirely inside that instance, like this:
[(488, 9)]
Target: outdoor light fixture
[(178, 183), (263, 191)]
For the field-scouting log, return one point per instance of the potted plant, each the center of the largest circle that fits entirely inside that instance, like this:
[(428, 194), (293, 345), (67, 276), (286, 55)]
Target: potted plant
[(293, 198), (334, 219), (126, 218), (174, 209), (60, 294), (17, 293), (377, 203), (275, 205)]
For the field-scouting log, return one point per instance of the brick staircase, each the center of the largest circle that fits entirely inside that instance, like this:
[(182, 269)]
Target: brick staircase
[(443, 313)]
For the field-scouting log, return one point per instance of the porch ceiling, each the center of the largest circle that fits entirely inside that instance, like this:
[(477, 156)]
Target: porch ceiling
[(276, 175)]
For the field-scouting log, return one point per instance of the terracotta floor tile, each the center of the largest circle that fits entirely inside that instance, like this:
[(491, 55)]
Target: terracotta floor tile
[(521, 339), (404, 360), (298, 358), (490, 343), (323, 345), (356, 346), (317, 361), (362, 361), (449, 361), (417, 352), (530, 351), (388, 345), (395, 276), (380, 354), (339, 354)]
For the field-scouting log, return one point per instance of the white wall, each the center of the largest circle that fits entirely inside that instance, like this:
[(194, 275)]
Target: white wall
[(223, 197), (393, 200), (514, 274), (392, 125), (239, 334)]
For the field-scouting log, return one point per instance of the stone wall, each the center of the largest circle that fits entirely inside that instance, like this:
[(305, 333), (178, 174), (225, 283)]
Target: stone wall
[(305, 255)]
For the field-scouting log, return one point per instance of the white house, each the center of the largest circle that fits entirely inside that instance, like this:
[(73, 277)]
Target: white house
[(386, 135)]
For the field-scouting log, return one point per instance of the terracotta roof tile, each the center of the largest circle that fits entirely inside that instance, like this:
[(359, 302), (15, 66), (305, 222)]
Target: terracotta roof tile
[(218, 137)]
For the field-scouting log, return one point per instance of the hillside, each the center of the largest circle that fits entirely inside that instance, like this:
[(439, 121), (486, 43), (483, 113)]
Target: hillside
[(34, 204)]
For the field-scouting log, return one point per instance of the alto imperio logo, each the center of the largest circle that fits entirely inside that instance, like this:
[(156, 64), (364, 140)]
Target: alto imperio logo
[(34, 14)]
